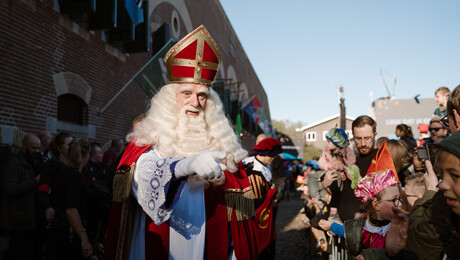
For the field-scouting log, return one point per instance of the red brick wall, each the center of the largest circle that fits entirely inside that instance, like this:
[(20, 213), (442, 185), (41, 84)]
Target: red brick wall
[(36, 42), (34, 47)]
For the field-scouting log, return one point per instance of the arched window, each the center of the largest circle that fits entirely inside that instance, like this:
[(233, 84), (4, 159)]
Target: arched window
[(72, 109)]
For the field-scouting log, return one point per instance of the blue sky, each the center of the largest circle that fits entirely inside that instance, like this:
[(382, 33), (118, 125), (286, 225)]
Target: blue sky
[(303, 50)]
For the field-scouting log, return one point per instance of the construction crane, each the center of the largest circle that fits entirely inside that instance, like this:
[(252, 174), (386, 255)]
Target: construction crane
[(385, 86)]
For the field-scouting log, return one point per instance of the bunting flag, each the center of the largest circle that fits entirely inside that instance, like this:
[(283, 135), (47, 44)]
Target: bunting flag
[(254, 109), (134, 8), (383, 161), (238, 126), (154, 75), (265, 226), (266, 125)]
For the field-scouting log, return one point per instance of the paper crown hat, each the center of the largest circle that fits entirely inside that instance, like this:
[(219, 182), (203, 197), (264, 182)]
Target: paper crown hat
[(380, 175), (383, 161), (373, 183), (194, 59)]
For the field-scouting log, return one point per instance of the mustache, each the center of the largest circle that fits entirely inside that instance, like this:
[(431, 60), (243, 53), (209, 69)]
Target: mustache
[(191, 108)]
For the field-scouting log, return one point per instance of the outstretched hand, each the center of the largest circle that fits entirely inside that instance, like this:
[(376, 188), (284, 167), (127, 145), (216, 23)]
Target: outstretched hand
[(206, 165), (397, 233)]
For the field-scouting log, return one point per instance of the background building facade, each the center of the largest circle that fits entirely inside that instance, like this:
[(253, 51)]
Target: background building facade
[(315, 133), (62, 64)]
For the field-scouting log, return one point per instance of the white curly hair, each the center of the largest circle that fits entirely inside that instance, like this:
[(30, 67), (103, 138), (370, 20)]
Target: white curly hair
[(172, 133)]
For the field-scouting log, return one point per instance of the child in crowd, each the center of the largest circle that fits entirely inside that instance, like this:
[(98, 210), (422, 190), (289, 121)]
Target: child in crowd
[(441, 95), (434, 227), (379, 192), (337, 156), (415, 187), (404, 132)]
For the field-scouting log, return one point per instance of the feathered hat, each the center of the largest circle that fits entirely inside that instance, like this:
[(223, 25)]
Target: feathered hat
[(268, 146)]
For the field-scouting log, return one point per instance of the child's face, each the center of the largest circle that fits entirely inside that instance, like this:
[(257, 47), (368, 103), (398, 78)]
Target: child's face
[(384, 206), (331, 146), (450, 168), (441, 98)]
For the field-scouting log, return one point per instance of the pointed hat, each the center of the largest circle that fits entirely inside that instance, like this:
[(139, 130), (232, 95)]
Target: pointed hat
[(195, 59), (383, 161)]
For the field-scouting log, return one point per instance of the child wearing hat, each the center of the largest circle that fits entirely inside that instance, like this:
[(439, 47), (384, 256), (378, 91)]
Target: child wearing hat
[(434, 230), (379, 192), (337, 156)]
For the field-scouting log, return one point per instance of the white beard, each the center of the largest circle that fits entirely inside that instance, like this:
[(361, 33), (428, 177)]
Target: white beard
[(193, 134)]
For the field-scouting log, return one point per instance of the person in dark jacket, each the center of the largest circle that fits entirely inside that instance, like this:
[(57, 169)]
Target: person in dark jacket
[(364, 132), (17, 215), (98, 178), (404, 132), (63, 195), (448, 162)]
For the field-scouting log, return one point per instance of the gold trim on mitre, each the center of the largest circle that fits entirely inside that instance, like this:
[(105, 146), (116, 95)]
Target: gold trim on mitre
[(204, 71)]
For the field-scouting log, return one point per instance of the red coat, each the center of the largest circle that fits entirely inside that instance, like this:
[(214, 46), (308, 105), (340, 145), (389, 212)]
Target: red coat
[(118, 236)]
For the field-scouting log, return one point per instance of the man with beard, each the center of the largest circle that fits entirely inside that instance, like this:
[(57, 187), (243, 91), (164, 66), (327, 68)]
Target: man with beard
[(17, 216), (173, 197), (364, 132)]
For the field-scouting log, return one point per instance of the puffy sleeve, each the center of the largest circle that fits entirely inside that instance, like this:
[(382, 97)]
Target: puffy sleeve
[(322, 162), (348, 156), (154, 185)]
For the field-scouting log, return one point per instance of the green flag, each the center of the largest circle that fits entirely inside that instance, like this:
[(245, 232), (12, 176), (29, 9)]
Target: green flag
[(154, 75), (238, 126)]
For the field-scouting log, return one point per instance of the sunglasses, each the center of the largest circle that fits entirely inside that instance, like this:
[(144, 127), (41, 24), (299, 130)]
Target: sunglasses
[(444, 121), (435, 129)]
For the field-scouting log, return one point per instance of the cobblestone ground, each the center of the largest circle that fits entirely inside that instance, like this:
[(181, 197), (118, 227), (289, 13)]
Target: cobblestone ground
[(291, 241)]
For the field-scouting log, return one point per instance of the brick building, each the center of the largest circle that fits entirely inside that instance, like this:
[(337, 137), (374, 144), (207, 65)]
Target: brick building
[(62, 63), (315, 133)]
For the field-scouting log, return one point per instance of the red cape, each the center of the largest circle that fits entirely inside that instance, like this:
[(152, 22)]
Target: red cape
[(118, 236)]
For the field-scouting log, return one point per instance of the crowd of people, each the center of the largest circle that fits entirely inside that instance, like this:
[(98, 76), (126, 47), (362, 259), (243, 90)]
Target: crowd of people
[(361, 193), (184, 188), (56, 199)]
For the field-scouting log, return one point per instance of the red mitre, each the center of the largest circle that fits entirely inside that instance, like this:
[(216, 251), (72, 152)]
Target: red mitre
[(195, 59)]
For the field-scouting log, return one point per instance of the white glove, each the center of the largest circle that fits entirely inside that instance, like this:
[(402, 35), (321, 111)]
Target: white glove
[(206, 165)]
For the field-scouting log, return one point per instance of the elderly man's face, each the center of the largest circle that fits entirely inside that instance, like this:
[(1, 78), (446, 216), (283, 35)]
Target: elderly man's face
[(193, 95)]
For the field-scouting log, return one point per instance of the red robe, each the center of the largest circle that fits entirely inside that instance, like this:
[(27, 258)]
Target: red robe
[(118, 236)]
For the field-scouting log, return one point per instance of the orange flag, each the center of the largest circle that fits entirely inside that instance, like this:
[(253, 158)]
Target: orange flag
[(383, 161)]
